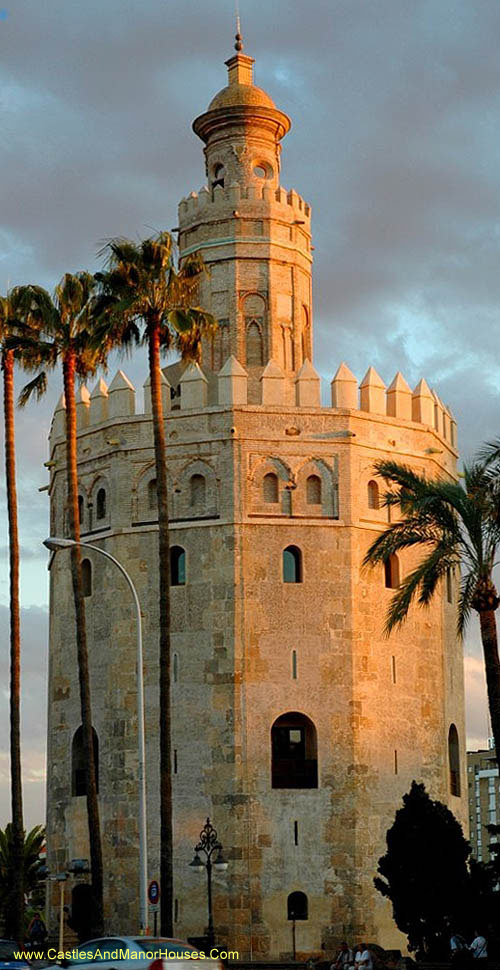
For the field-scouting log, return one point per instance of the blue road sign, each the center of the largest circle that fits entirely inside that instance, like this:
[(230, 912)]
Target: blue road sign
[(153, 892)]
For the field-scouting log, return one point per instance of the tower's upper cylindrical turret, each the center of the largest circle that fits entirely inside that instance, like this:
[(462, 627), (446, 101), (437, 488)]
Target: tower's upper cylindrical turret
[(242, 129), (254, 236)]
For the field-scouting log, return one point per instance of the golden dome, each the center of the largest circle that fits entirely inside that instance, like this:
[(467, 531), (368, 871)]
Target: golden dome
[(235, 95)]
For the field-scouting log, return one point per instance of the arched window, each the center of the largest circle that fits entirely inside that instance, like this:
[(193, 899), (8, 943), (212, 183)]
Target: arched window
[(297, 907), (373, 496), (294, 752), (219, 173), (79, 762), (292, 565), (101, 504), (391, 570), (454, 760), (152, 495), (87, 577), (197, 488), (270, 487), (80, 509), (313, 490), (288, 355), (177, 566), (254, 345)]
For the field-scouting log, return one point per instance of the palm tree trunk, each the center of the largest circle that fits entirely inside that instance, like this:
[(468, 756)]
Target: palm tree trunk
[(166, 808), (81, 642), (489, 639), (16, 930)]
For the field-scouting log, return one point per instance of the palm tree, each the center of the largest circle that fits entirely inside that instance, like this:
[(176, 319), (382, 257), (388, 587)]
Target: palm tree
[(30, 865), (142, 287), (67, 338), (457, 526), (8, 327)]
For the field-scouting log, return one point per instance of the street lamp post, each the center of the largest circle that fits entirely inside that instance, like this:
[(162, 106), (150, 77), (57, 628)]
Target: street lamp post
[(54, 544), (209, 844), (77, 867)]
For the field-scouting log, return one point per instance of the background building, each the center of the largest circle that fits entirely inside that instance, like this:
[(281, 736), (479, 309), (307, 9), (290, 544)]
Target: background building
[(484, 799), (297, 725)]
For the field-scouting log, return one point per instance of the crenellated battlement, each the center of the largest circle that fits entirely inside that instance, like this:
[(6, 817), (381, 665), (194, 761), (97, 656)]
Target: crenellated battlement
[(230, 389), (206, 202)]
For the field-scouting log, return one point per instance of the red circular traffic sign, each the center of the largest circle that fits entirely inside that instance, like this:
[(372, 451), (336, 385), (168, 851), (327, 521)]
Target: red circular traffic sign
[(153, 892)]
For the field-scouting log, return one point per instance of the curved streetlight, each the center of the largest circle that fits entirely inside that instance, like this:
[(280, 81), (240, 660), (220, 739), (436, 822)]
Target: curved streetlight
[(209, 845), (54, 543)]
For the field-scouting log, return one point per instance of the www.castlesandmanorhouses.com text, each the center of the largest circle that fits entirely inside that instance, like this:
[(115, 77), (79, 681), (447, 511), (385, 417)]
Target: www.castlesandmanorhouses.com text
[(83, 956)]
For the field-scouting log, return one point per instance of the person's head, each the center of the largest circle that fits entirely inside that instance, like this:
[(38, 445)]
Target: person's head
[(36, 916), (343, 946)]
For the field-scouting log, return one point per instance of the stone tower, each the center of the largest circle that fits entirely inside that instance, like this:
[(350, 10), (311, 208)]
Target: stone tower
[(297, 725), (254, 235)]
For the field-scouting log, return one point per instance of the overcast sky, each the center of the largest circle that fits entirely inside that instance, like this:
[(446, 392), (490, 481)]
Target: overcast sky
[(395, 143)]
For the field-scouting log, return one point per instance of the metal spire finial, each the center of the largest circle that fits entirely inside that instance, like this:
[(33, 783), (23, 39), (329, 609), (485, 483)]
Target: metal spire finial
[(239, 39)]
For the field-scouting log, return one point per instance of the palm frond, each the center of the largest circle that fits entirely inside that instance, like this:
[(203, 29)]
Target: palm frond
[(468, 584), (35, 388), (490, 452), (400, 535), (420, 584)]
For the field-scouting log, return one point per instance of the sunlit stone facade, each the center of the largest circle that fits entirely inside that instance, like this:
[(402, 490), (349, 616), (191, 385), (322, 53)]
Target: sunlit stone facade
[(257, 464)]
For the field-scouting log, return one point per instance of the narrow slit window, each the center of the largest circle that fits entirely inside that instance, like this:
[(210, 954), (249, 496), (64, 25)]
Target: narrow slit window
[(393, 668), (449, 585), (454, 760), (175, 761), (296, 833), (177, 566), (395, 762), (176, 667), (294, 665), (101, 504), (87, 577), (292, 565), (152, 495), (373, 496), (391, 572)]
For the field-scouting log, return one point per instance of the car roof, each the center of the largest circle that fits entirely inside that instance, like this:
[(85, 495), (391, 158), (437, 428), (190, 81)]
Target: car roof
[(137, 939)]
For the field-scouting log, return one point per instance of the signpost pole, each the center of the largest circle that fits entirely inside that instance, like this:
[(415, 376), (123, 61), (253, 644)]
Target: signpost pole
[(154, 898)]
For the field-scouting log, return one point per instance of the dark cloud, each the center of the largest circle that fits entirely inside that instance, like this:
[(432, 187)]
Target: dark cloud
[(394, 143)]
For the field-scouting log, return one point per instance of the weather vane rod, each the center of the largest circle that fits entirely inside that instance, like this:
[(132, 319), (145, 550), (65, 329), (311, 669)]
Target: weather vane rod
[(239, 39)]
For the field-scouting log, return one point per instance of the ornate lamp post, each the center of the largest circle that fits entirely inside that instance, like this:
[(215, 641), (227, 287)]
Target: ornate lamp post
[(77, 867), (209, 845)]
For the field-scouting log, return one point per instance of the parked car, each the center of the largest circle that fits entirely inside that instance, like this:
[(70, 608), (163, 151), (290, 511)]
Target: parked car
[(137, 953), (12, 955)]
